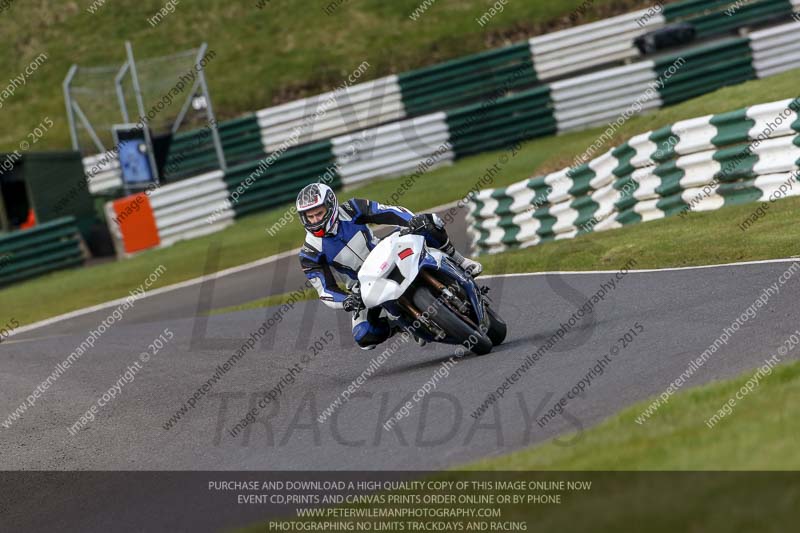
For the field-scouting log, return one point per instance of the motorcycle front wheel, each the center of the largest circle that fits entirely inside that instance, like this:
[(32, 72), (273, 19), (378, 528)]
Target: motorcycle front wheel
[(452, 322), (497, 327)]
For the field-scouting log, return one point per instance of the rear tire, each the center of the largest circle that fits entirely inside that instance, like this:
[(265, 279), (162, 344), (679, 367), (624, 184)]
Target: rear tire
[(452, 323)]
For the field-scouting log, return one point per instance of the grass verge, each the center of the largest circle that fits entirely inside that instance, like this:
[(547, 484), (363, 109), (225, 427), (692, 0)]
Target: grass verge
[(247, 240), (269, 301), (706, 238), (280, 51), (712, 237), (670, 474), (760, 434)]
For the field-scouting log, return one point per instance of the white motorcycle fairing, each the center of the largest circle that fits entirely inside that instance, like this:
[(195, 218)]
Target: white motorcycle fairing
[(391, 267)]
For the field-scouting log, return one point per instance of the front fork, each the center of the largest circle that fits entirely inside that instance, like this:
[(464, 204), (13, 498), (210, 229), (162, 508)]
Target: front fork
[(448, 296), (438, 333), (442, 293), (458, 305)]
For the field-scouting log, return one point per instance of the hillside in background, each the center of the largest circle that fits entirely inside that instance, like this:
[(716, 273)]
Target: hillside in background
[(265, 55)]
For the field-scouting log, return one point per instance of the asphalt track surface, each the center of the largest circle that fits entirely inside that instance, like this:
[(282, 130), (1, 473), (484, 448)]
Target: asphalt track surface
[(276, 277), (682, 313)]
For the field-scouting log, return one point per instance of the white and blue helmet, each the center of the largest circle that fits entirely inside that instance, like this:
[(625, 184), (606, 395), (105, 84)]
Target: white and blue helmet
[(313, 196)]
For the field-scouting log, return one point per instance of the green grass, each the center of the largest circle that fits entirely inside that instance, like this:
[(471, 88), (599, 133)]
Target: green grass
[(247, 240), (564, 148), (760, 434), (284, 51), (706, 238), (672, 473), (269, 301)]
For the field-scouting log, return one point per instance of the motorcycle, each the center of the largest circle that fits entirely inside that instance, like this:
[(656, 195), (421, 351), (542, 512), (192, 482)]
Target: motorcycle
[(425, 293)]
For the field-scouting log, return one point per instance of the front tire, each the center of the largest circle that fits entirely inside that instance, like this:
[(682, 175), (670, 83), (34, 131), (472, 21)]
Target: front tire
[(451, 322), (497, 327)]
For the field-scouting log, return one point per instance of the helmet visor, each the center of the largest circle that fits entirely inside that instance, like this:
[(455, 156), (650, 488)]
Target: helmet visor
[(320, 215)]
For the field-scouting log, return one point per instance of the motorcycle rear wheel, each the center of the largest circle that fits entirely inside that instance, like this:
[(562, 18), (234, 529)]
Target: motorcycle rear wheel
[(451, 322)]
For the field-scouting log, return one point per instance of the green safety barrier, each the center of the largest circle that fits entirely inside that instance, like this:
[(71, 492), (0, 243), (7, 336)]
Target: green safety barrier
[(495, 123), (491, 99), (274, 180), (702, 164), (705, 69), (692, 8), (193, 152), (466, 79), (44, 248), (717, 18)]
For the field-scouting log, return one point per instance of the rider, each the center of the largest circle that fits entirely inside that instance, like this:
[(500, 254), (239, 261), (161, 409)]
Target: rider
[(338, 241)]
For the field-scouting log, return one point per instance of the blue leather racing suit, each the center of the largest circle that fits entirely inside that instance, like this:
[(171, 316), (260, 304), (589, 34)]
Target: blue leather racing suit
[(334, 260)]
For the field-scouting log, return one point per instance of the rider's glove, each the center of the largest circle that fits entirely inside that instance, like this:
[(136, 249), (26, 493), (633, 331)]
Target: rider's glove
[(424, 222), (352, 303)]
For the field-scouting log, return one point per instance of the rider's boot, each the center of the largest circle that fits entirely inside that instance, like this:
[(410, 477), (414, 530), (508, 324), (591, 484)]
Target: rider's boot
[(472, 267)]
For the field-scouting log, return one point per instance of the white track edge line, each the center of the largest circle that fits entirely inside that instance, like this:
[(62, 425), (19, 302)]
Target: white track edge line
[(289, 253), (154, 292), (644, 270), (176, 286), (267, 260)]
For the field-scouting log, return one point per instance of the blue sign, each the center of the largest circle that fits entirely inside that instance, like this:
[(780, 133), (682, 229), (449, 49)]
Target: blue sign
[(134, 162)]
